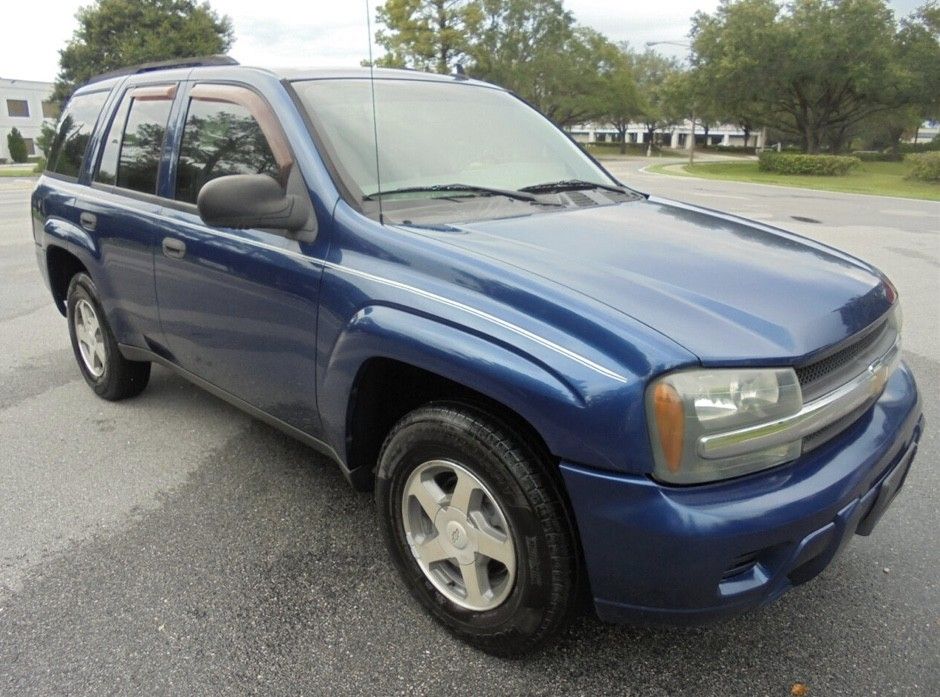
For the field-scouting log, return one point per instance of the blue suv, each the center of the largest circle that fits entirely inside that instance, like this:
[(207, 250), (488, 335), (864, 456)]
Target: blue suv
[(553, 383)]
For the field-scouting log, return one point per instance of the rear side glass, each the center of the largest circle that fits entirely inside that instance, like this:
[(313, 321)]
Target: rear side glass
[(75, 128), (142, 145), (219, 139), (108, 166)]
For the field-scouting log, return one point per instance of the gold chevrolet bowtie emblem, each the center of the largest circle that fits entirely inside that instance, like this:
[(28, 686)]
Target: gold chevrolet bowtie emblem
[(879, 373)]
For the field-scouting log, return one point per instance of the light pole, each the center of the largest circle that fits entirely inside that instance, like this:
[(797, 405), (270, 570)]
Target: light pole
[(683, 44)]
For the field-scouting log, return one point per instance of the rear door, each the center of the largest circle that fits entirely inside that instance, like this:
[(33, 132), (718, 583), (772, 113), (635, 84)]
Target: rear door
[(121, 210), (238, 308)]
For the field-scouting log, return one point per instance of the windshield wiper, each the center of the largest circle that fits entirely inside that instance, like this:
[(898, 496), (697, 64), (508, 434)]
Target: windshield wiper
[(570, 185), (465, 188)]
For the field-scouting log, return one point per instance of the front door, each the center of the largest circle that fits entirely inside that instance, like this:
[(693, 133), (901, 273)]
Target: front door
[(238, 308)]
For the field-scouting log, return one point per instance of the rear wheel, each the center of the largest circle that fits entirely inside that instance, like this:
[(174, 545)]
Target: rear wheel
[(105, 370), (477, 528)]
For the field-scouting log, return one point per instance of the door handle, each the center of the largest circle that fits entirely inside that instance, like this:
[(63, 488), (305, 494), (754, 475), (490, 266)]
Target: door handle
[(88, 220), (174, 248)]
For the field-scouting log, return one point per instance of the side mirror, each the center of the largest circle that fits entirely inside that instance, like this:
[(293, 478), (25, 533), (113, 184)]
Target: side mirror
[(251, 200)]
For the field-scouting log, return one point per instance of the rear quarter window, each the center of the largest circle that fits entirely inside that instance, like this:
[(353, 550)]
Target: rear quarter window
[(74, 130)]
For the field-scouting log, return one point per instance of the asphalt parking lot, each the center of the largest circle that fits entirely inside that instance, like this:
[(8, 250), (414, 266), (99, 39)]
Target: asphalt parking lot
[(171, 545)]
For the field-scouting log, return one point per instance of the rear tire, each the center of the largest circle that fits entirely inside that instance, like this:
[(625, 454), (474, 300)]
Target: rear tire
[(106, 371), (501, 575)]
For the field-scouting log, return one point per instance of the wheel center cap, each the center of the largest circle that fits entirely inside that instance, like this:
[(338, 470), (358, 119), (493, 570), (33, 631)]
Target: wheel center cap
[(456, 534)]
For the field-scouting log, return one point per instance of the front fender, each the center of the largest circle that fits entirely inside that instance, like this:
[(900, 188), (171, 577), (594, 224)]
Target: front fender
[(567, 420)]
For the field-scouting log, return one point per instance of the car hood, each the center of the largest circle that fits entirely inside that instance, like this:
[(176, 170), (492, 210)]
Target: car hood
[(726, 289)]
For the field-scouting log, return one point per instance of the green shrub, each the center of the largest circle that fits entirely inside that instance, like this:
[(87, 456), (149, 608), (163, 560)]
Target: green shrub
[(929, 146), (40, 166), (17, 146), (810, 165), (877, 156), (925, 166)]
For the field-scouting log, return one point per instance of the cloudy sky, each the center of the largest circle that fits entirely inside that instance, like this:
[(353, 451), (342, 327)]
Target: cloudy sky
[(324, 33)]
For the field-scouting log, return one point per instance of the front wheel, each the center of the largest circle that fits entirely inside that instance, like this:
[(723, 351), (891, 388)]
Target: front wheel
[(477, 528)]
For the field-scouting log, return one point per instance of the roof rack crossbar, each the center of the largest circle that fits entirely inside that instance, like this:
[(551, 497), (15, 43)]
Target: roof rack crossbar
[(194, 62)]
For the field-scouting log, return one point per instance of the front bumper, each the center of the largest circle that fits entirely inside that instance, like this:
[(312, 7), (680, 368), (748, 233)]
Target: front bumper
[(657, 553)]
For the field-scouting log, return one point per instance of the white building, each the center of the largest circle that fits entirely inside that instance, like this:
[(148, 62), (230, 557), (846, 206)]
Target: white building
[(927, 132), (24, 105), (676, 136)]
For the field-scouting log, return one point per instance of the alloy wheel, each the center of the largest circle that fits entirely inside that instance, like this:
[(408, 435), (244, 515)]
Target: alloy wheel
[(91, 343), (459, 535)]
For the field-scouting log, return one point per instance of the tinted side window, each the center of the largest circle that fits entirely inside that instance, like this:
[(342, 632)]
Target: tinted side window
[(75, 127), (219, 139), (142, 145), (108, 165)]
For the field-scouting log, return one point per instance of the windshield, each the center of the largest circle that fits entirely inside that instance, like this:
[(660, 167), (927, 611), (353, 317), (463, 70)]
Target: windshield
[(433, 134)]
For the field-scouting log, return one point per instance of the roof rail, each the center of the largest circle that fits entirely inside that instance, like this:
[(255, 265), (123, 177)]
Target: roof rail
[(194, 62)]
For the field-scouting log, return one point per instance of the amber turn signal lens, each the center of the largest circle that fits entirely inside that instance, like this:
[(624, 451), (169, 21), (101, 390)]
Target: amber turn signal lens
[(670, 424)]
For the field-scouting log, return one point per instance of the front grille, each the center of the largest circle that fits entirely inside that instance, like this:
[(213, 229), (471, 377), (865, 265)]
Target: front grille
[(836, 369), (836, 427), (839, 367)]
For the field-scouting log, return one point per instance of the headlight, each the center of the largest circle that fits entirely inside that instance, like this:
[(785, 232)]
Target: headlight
[(685, 406)]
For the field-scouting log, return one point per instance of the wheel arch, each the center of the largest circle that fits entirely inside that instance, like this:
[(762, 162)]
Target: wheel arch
[(371, 415), (62, 265), (388, 361)]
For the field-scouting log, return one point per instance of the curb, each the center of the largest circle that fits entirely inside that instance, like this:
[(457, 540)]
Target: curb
[(645, 170)]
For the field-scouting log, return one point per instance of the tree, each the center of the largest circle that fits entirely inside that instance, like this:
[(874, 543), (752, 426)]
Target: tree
[(654, 73), (919, 57), (522, 44), (426, 34), (917, 83), (684, 98), (709, 111), (46, 138), (849, 45), (885, 130), (115, 33), (17, 146), (730, 50), (568, 82), (817, 69), (621, 102), (531, 47)]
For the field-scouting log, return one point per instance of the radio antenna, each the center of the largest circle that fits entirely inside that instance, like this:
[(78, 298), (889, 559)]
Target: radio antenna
[(375, 124)]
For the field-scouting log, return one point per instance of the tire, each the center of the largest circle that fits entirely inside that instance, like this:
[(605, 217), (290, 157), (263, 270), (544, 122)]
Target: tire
[(106, 371), (530, 592)]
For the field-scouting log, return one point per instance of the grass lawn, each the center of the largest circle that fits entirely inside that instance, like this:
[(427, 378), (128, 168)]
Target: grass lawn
[(25, 171), (877, 178)]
